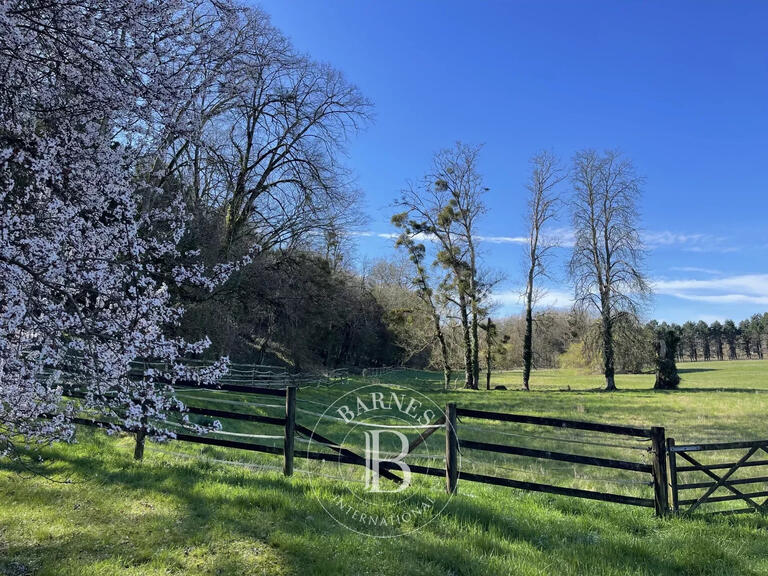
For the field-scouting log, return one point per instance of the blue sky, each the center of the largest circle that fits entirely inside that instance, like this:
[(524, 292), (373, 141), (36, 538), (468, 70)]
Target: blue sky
[(679, 87)]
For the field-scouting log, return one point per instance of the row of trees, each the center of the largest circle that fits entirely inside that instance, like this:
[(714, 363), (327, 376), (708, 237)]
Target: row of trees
[(716, 341), (559, 338), (605, 268), (605, 264)]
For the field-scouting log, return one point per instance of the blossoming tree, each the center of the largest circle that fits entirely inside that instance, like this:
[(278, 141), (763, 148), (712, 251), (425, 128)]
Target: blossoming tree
[(89, 219)]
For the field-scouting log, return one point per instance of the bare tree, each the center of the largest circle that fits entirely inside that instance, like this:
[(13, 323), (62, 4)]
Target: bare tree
[(546, 174), (407, 317), (606, 263), (456, 173), (271, 125), (431, 213)]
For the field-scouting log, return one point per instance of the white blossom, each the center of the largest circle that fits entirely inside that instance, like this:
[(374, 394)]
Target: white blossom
[(89, 91)]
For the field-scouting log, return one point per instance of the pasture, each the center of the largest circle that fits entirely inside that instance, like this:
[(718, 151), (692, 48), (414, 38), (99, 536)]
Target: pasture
[(188, 509)]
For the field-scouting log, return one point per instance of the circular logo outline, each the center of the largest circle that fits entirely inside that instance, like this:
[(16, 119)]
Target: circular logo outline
[(339, 455)]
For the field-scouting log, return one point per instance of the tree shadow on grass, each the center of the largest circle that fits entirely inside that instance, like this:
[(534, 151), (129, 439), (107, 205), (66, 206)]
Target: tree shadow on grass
[(234, 521), (221, 514), (694, 370), (601, 539), (683, 389)]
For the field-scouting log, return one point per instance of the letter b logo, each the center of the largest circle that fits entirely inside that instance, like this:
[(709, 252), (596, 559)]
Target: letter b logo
[(373, 459)]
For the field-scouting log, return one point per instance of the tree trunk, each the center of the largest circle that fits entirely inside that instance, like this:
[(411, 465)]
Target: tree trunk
[(469, 371), (488, 342), (608, 360), (443, 351), (528, 338), (141, 436), (138, 451), (475, 344), (474, 308)]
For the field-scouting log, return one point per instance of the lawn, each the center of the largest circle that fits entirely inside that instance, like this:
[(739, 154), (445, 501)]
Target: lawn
[(181, 511)]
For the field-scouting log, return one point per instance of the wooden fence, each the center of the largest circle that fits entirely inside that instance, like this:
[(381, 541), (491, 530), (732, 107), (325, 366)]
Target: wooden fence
[(451, 422), (670, 469), (718, 475)]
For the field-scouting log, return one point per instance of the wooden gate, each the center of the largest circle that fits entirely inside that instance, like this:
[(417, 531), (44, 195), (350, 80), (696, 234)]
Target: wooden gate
[(723, 472)]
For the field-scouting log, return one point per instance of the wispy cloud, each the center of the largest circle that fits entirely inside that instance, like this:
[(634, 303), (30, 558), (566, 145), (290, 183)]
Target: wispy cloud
[(688, 242), (743, 289), (503, 239), (430, 237), (547, 299), (370, 234), (564, 237), (696, 270), (667, 238)]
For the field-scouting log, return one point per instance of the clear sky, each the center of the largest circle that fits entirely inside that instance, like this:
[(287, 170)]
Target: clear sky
[(679, 87)]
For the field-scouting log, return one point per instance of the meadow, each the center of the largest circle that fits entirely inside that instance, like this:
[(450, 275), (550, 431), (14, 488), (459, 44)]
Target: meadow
[(188, 509)]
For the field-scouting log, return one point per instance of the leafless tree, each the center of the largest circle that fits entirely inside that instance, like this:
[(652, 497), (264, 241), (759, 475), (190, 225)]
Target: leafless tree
[(456, 172), (271, 124), (431, 214), (543, 200), (606, 263)]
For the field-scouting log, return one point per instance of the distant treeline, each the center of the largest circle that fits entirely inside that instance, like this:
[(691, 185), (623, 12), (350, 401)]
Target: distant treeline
[(726, 341), (307, 309)]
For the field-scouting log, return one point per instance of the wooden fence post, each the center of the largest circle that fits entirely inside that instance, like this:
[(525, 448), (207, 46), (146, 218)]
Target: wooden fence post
[(290, 427), (451, 449), (659, 452), (672, 473)]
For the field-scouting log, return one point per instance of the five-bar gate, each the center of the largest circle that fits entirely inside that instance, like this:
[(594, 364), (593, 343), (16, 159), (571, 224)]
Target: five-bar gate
[(733, 471)]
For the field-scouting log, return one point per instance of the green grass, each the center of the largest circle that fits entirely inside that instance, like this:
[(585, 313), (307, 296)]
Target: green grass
[(177, 514)]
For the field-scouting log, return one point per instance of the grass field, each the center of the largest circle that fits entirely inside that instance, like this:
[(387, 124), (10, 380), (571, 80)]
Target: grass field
[(101, 513)]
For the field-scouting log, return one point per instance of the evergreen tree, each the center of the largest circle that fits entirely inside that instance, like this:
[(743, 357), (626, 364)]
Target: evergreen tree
[(716, 332), (731, 336), (745, 337), (702, 333), (689, 340)]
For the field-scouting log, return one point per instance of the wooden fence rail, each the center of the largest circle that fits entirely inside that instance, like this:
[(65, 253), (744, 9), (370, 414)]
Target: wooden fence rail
[(555, 422)]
